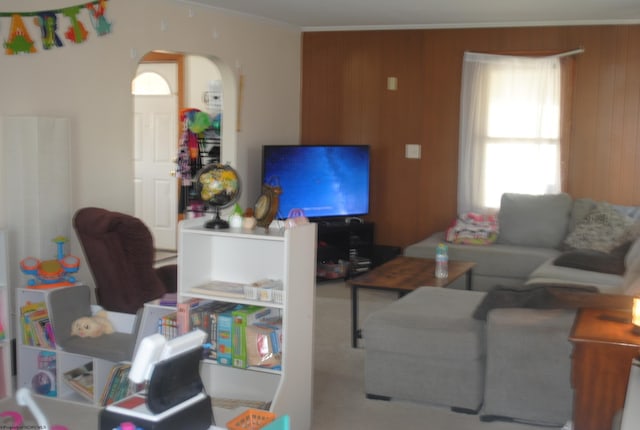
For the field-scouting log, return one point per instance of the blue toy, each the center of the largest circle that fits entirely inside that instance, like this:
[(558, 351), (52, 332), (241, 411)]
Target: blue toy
[(51, 273)]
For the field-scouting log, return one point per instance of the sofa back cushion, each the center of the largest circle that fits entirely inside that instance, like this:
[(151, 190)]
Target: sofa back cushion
[(534, 220)]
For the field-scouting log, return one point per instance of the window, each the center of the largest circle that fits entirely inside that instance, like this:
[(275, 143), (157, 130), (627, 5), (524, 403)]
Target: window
[(509, 129), (150, 84)]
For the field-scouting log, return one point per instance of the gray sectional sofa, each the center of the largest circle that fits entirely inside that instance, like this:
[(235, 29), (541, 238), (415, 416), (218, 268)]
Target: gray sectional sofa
[(434, 346), (533, 230)]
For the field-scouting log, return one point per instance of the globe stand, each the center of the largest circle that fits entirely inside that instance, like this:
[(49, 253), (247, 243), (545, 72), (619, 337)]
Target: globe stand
[(217, 223)]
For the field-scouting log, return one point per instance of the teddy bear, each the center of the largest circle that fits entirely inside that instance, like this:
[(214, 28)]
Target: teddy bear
[(93, 326)]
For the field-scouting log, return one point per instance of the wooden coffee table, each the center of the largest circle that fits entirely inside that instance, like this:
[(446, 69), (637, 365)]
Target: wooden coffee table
[(403, 274)]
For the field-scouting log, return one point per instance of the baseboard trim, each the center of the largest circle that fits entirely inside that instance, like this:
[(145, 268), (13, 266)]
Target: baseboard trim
[(467, 411), (492, 418), (377, 397)]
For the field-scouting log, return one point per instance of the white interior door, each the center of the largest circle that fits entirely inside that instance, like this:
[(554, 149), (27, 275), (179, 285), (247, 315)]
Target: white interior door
[(155, 149)]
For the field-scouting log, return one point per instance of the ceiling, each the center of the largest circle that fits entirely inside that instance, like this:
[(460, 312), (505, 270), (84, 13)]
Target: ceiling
[(387, 14)]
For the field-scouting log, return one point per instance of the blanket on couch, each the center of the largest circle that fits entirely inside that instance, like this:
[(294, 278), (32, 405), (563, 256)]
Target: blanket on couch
[(549, 296)]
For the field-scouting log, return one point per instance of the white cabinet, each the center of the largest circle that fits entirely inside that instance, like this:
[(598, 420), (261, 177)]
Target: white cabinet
[(233, 255), (5, 328)]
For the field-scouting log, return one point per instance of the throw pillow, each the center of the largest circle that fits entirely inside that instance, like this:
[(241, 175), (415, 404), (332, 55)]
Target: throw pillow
[(534, 220), (579, 211), (594, 261), (603, 229)]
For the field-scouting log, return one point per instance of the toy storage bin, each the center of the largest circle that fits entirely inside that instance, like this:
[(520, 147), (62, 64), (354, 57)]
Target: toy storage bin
[(251, 419)]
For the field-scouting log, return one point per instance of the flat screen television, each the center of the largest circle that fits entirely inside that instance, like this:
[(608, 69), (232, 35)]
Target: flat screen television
[(325, 181)]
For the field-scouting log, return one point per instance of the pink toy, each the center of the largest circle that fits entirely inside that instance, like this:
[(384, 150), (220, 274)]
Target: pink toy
[(23, 398)]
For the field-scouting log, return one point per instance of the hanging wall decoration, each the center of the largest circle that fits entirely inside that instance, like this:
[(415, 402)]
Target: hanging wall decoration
[(70, 22)]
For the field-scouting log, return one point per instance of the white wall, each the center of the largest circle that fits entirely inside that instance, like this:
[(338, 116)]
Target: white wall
[(200, 71), (90, 84)]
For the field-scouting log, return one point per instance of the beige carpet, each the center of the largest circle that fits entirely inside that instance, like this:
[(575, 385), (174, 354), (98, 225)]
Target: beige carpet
[(339, 400)]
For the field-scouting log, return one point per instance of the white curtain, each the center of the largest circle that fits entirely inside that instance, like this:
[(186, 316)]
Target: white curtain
[(509, 129)]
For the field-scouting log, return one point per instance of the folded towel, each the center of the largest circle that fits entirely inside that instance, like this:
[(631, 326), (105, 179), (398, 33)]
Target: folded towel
[(549, 296)]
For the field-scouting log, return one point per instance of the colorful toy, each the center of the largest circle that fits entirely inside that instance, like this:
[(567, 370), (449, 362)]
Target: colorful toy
[(51, 273)]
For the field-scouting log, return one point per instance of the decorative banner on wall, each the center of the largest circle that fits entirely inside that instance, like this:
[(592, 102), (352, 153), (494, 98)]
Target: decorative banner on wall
[(49, 24)]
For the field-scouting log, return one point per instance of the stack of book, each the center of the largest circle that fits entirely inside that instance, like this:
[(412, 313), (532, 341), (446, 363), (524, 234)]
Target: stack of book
[(36, 327), (227, 325)]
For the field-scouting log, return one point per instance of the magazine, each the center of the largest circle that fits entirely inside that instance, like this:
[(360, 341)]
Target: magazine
[(81, 380), (221, 288)]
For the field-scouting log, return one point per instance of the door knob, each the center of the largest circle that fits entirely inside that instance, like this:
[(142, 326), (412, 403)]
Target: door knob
[(172, 173)]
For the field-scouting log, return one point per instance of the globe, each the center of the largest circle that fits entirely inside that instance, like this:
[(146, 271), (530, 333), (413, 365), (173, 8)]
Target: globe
[(219, 186)]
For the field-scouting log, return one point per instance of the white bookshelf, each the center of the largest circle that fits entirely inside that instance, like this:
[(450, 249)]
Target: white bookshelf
[(233, 255), (5, 339)]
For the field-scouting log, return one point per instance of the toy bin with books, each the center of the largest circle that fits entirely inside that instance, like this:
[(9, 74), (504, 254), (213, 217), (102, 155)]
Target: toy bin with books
[(261, 284), (50, 371)]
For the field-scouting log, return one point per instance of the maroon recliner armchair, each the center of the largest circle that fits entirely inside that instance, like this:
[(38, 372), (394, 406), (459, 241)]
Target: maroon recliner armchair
[(120, 254)]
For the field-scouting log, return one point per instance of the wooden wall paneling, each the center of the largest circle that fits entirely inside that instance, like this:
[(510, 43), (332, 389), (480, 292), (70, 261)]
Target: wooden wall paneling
[(605, 105), (616, 137), (321, 116), (584, 105), (444, 50), (401, 118), (341, 86), (566, 118), (630, 147)]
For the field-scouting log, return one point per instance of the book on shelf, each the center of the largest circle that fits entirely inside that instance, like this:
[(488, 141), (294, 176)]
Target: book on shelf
[(168, 325), (36, 327), (118, 385), (202, 315), (81, 380), (243, 317)]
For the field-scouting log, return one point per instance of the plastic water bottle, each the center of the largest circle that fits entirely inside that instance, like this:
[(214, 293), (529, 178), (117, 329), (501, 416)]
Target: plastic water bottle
[(442, 261)]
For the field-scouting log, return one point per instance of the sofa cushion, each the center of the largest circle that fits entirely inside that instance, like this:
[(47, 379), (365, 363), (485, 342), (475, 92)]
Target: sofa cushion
[(602, 229), (534, 220), (433, 323)]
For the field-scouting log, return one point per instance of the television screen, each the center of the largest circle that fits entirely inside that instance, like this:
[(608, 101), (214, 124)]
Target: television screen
[(323, 180)]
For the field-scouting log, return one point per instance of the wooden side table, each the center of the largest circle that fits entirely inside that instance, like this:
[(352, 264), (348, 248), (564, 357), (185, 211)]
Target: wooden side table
[(603, 348)]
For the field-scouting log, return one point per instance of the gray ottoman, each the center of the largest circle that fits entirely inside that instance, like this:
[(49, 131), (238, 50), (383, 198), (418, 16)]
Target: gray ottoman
[(427, 348), (529, 366)]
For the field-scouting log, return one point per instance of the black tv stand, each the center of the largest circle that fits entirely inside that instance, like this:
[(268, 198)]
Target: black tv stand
[(340, 242)]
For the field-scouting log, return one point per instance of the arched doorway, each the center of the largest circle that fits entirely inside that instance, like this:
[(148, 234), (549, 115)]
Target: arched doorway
[(157, 134)]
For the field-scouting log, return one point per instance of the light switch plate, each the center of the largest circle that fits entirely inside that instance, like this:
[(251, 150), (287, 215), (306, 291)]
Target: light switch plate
[(412, 151)]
